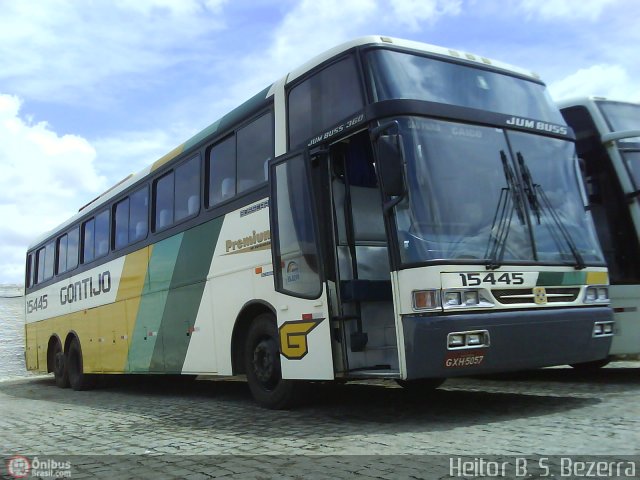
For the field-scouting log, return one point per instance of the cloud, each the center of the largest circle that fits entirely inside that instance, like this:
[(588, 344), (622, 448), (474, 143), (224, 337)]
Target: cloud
[(573, 10), (312, 26), (130, 152), (604, 80), (63, 51), (45, 178)]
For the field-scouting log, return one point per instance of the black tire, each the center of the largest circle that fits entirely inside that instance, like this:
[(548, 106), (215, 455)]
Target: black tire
[(422, 385), (262, 365), (591, 366), (60, 372), (77, 378)]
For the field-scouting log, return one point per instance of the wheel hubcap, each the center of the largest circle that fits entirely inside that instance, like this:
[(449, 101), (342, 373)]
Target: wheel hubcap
[(265, 362)]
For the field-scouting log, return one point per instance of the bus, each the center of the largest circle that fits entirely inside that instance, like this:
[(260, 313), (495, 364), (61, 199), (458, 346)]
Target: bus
[(608, 142), (388, 210)]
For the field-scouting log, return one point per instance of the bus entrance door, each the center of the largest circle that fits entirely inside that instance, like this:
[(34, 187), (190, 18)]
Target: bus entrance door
[(363, 285)]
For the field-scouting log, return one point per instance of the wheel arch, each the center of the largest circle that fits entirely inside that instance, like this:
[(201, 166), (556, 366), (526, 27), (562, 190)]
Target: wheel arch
[(240, 328), (71, 336), (54, 340)]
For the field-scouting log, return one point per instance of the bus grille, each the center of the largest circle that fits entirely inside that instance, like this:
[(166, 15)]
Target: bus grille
[(525, 295)]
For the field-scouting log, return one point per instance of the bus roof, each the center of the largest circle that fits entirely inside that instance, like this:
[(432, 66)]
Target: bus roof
[(585, 99), (258, 99)]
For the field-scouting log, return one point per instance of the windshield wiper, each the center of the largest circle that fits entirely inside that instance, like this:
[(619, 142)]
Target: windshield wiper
[(508, 202), (535, 194)]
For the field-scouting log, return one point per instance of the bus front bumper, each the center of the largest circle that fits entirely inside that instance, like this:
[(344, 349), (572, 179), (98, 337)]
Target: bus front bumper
[(517, 340)]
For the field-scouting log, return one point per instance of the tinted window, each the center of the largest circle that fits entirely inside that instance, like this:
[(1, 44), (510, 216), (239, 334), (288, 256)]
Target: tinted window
[(72, 248), (95, 237), (49, 260), (296, 246), (138, 214), (40, 265), (121, 223), (187, 194), (62, 254), (88, 240), (255, 148), (323, 100), (30, 270), (102, 234), (164, 201), (222, 171), (403, 75)]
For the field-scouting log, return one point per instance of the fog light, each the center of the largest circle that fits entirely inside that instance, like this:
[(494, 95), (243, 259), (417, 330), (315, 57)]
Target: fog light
[(603, 294), (471, 297), (608, 328), (474, 339), (425, 299), (456, 340), (452, 298), (597, 329)]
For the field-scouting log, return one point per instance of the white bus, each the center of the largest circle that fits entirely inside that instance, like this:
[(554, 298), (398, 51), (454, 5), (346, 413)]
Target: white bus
[(388, 210), (608, 141)]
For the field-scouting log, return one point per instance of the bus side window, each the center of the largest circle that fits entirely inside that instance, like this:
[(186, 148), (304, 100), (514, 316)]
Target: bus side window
[(322, 100), (62, 253), (187, 189), (255, 146), (49, 260), (139, 214), (30, 270), (163, 201), (121, 223), (102, 234), (88, 240), (40, 261), (221, 171), (73, 238)]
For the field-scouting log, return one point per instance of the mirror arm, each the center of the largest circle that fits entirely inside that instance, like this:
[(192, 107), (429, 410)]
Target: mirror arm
[(388, 206), (377, 131)]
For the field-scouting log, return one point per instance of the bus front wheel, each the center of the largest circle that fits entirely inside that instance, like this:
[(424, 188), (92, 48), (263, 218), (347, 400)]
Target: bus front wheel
[(77, 378), (262, 365)]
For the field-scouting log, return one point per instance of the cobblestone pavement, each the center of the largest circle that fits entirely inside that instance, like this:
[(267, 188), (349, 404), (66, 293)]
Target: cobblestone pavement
[(148, 428)]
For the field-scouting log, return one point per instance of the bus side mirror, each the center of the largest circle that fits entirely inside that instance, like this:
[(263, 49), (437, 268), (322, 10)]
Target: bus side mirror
[(391, 165)]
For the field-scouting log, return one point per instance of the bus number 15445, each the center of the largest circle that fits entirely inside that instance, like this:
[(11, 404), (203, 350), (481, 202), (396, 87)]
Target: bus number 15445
[(507, 278)]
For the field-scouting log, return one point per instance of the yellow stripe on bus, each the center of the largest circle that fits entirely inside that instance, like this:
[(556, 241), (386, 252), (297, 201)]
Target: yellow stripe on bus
[(597, 278), (172, 154)]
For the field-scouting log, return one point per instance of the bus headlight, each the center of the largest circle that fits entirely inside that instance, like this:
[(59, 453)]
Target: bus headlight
[(452, 298), (460, 298), (596, 294)]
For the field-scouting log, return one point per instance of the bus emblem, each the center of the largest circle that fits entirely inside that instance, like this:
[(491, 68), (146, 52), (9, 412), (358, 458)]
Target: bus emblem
[(293, 337), (539, 295)]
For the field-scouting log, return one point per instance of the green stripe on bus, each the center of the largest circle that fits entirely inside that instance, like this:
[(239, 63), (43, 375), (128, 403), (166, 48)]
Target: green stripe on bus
[(561, 278), (184, 296), (152, 304)]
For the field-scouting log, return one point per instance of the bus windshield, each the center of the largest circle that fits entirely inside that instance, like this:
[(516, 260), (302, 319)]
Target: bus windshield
[(466, 190), (402, 75), (622, 117)]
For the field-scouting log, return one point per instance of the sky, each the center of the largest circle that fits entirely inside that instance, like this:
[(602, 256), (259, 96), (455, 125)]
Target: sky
[(93, 90)]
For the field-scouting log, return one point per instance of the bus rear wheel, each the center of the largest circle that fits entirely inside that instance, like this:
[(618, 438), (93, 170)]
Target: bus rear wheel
[(77, 378), (60, 372), (262, 365)]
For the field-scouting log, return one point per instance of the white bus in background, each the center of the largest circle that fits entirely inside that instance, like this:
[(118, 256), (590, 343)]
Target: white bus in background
[(608, 141)]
